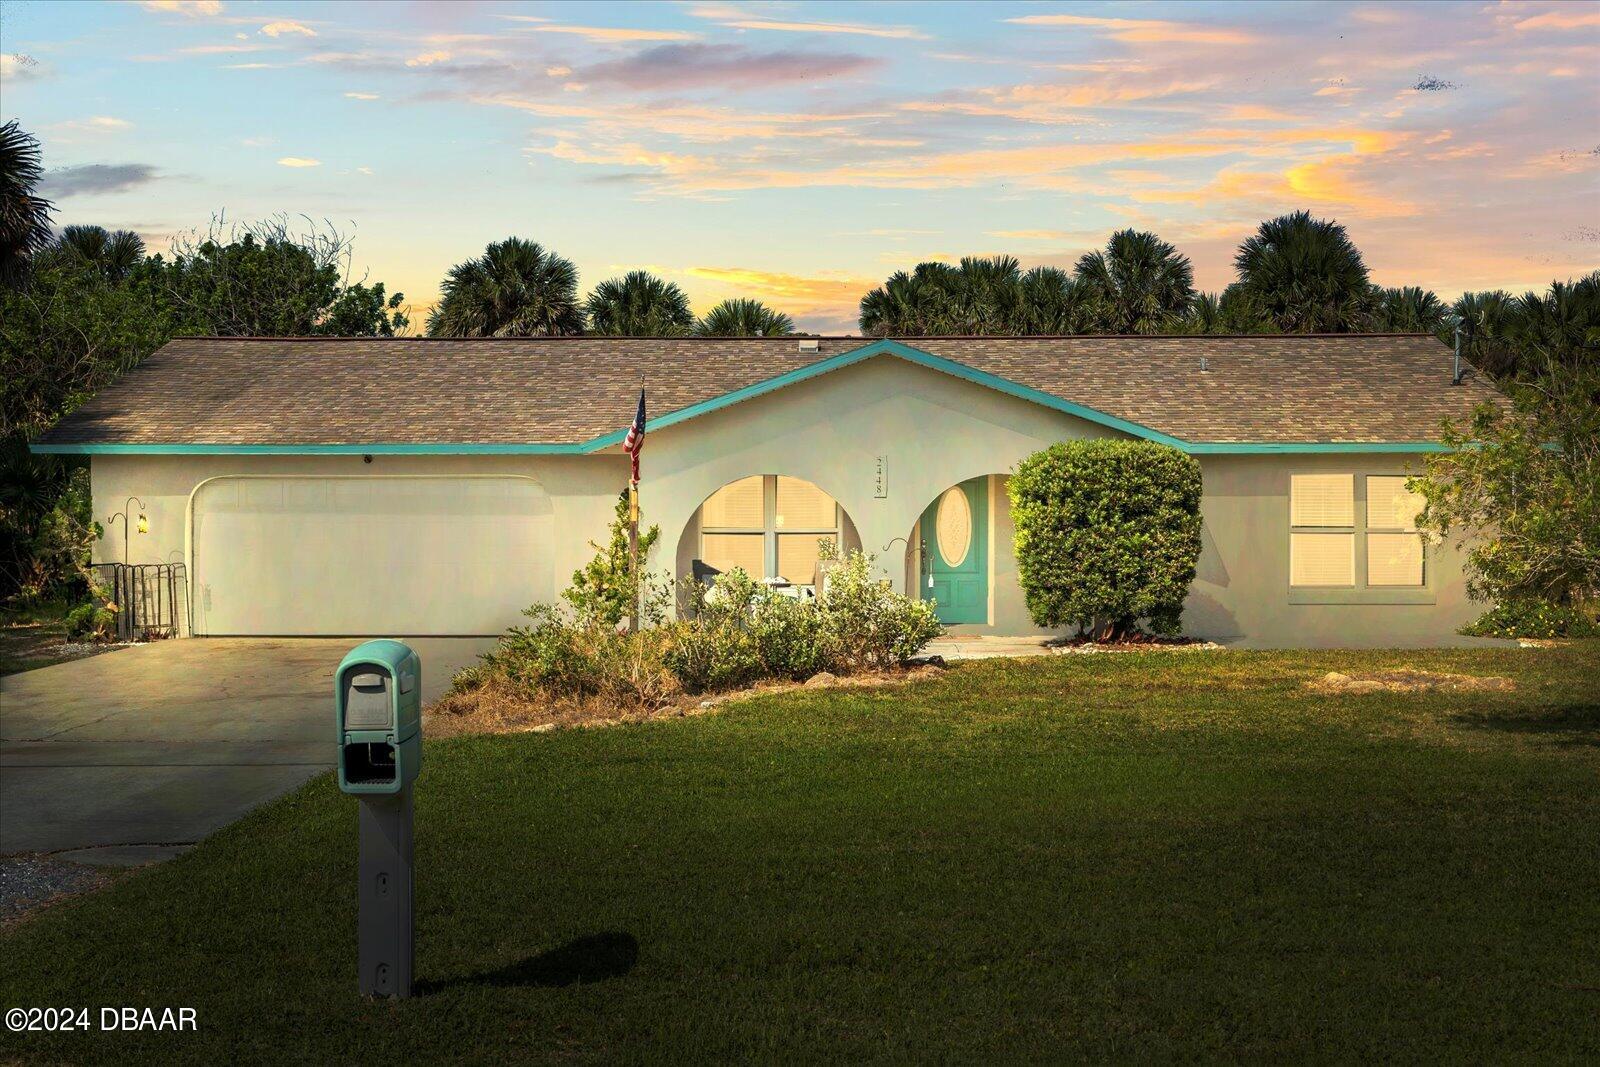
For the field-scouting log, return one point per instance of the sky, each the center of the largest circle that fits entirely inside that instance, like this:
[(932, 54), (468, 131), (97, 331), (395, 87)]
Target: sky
[(799, 153)]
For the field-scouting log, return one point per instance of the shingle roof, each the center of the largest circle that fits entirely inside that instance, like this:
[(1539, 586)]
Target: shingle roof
[(245, 391)]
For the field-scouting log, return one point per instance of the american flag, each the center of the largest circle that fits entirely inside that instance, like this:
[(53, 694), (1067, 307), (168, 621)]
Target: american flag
[(634, 444)]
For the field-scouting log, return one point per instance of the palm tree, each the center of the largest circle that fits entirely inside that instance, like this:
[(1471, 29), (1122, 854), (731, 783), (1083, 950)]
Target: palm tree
[(515, 289), (638, 305), (744, 318), (112, 254), (1053, 302), (985, 296), (981, 296), (1410, 309), (1140, 283), (24, 217), (1306, 275)]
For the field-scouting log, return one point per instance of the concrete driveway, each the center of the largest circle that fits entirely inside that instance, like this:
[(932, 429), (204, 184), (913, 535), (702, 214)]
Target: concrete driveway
[(134, 755)]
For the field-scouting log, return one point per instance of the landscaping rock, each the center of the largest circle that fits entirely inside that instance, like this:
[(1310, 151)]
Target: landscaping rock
[(822, 680), (935, 661)]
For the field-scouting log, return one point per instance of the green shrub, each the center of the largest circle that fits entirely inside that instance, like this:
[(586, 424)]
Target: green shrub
[(792, 638), (90, 622), (1533, 618), (564, 655), (1107, 535), (866, 624), (741, 632)]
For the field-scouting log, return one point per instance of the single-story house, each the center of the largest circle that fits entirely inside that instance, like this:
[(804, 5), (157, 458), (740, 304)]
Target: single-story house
[(418, 486)]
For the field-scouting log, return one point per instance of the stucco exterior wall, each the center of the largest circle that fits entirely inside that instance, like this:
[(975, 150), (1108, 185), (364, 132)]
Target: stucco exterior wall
[(932, 431), (1241, 592), (582, 489)]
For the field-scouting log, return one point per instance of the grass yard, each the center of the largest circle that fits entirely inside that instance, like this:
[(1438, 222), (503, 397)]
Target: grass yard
[(34, 637), (1154, 855)]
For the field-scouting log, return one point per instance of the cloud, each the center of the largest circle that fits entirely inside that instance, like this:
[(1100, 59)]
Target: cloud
[(681, 66), (283, 26), (614, 33), (93, 125), (299, 161), (1044, 235), (428, 59), (1575, 18), (738, 19), (190, 8), (362, 96), (17, 67), (220, 49), (96, 178), (1145, 31)]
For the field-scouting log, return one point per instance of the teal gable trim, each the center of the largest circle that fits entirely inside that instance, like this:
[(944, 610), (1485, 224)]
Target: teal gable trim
[(910, 355), (309, 450)]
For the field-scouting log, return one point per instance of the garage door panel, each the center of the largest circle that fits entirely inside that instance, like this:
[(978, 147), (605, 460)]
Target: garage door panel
[(369, 555)]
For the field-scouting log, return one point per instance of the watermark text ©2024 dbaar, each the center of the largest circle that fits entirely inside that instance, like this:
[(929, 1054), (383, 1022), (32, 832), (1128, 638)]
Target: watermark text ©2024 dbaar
[(128, 1019)]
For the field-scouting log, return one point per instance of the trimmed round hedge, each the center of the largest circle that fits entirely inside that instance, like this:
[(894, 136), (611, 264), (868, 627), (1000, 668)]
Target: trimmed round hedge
[(1107, 535)]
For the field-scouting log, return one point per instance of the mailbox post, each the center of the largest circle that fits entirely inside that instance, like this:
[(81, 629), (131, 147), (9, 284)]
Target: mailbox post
[(378, 702)]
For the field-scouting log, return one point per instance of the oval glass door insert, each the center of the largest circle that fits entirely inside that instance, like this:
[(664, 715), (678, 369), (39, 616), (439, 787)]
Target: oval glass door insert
[(954, 524)]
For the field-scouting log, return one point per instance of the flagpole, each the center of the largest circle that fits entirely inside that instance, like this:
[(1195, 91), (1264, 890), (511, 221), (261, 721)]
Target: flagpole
[(633, 553)]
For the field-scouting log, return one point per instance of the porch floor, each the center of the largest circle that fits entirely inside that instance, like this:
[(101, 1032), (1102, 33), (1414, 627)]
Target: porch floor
[(985, 646)]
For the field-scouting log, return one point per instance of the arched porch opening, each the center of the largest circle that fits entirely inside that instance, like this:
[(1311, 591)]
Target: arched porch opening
[(772, 526)]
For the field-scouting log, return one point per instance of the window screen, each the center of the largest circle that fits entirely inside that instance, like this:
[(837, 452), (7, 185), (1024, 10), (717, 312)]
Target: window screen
[(1394, 559), (1322, 559), (1322, 500), (736, 506), (802, 506), (727, 551), (1390, 505), (797, 557)]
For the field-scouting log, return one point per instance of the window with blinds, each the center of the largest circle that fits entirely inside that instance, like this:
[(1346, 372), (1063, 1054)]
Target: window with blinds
[(1325, 538), (1394, 547), (1322, 536), (770, 526)]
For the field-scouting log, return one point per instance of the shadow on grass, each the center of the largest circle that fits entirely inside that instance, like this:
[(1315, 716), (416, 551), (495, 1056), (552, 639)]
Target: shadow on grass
[(595, 958), (1570, 724)]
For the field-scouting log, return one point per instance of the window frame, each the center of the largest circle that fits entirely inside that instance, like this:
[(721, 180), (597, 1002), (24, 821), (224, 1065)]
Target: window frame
[(770, 532), (1360, 592), (1370, 529)]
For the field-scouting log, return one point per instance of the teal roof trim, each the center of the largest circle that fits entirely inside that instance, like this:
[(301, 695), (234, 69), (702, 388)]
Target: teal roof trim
[(884, 347), (311, 450), (911, 355)]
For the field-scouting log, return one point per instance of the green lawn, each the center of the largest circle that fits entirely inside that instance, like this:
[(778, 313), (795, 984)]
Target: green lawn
[(33, 636), (1137, 856)]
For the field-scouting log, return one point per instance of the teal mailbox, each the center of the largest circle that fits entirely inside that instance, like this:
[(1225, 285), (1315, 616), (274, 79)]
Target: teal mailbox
[(378, 702)]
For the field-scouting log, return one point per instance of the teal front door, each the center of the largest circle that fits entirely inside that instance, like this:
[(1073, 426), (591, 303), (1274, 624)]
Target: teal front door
[(955, 553)]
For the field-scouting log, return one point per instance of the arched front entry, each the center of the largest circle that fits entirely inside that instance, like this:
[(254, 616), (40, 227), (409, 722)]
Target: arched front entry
[(952, 558)]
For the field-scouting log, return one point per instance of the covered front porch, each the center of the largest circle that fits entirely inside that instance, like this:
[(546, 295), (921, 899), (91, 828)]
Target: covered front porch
[(901, 462)]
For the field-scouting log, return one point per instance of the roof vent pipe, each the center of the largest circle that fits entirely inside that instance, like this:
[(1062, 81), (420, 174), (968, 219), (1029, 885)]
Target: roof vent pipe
[(1204, 366), (1455, 374)]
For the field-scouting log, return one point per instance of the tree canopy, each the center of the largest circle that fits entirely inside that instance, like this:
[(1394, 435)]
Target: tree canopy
[(1305, 275), (743, 318), (638, 304), (517, 288), (1138, 284)]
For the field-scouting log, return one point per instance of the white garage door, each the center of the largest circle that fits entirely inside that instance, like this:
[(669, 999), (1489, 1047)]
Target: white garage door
[(369, 556)]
